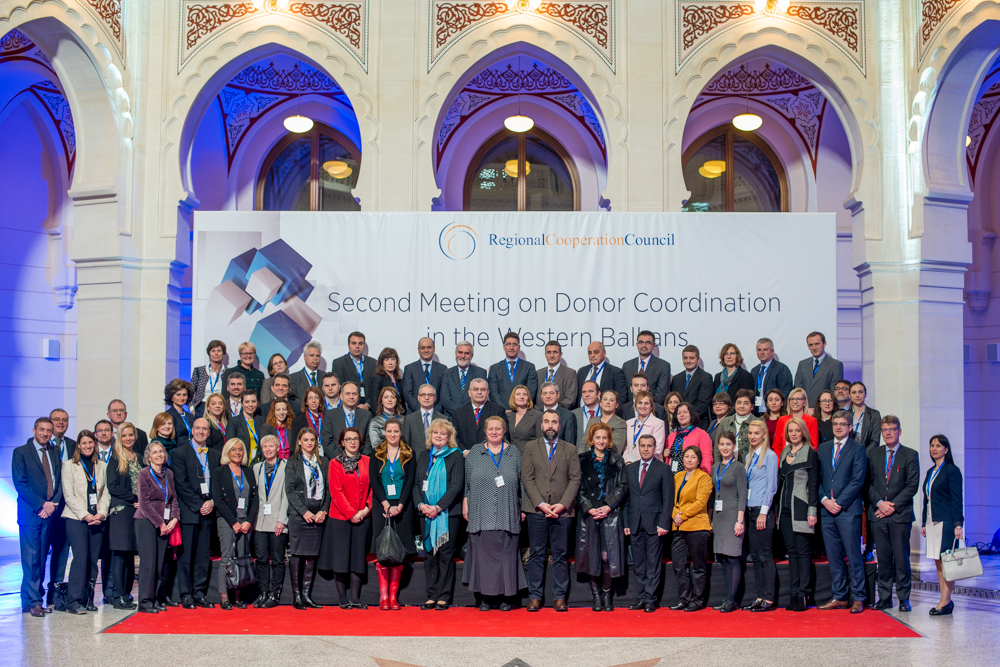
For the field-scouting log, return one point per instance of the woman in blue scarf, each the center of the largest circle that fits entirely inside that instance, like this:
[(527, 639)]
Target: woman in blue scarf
[(437, 493)]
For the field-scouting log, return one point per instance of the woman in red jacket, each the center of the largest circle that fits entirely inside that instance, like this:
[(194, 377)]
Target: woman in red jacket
[(798, 403), (345, 540), (687, 434)]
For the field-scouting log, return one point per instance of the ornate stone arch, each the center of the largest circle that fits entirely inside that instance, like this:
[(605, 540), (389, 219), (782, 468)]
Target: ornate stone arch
[(550, 44), (812, 56)]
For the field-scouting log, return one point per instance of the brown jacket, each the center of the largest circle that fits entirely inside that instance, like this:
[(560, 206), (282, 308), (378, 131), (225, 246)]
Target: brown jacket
[(542, 484)]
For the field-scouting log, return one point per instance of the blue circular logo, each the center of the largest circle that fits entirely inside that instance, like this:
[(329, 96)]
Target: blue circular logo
[(458, 241)]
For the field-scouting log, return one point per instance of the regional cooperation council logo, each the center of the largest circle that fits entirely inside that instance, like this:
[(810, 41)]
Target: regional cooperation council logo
[(458, 241)]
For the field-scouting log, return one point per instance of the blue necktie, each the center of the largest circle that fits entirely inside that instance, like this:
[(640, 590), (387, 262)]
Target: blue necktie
[(815, 366), (687, 380)]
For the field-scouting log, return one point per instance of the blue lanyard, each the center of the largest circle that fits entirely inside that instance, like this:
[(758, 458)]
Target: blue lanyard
[(427, 375), (183, 415), (163, 487), (683, 482), (836, 455), (238, 481), (392, 466), (309, 378), (497, 461), (269, 481), (931, 478), (360, 368), (638, 431), (314, 471), (283, 439), (642, 365), (599, 370), (550, 375), (204, 466), (756, 455), (712, 427), (720, 475), (512, 373), (87, 473), (552, 450), (212, 385), (760, 377), (463, 375)]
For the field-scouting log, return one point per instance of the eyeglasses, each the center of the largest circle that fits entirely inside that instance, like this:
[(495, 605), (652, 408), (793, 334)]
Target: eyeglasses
[(826, 400)]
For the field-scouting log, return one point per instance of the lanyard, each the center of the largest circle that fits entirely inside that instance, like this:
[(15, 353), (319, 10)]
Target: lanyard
[(392, 466), (183, 414), (269, 481), (309, 377), (550, 375), (497, 461), (836, 455), (888, 466), (722, 473), (360, 368), (552, 450), (315, 421), (212, 384), (238, 481), (463, 374), (760, 377), (683, 482), (163, 487), (427, 373), (642, 365), (931, 478), (712, 427), (204, 466), (90, 477), (314, 471), (283, 439), (756, 455), (253, 431), (598, 372), (638, 431), (237, 410), (512, 373)]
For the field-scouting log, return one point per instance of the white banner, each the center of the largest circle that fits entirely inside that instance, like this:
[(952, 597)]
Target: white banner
[(282, 279)]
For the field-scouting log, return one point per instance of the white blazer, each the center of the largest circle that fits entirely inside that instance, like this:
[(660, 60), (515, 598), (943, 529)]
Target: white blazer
[(74, 485), (653, 426), (277, 499)]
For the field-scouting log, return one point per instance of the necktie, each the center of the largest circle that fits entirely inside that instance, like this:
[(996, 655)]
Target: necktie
[(477, 415), (461, 376), (591, 413), (313, 381), (594, 373), (642, 474), (550, 446), (511, 364), (815, 366), (836, 455), (47, 467), (427, 420), (427, 369), (104, 455), (687, 380), (888, 465), (551, 374)]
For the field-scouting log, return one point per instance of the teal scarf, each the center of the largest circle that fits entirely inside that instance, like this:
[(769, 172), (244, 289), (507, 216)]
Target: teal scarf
[(436, 529)]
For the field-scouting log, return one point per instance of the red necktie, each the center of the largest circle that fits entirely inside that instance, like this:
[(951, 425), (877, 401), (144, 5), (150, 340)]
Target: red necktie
[(642, 474), (477, 416), (591, 413)]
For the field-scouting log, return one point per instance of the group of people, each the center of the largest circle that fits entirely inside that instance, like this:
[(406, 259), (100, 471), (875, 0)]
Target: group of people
[(306, 470)]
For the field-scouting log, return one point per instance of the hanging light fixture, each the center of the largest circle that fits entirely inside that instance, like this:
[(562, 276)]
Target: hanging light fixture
[(518, 123), (510, 168), (298, 123), (707, 173), (523, 5), (771, 6), (715, 166), (271, 5), (337, 168), (748, 122)]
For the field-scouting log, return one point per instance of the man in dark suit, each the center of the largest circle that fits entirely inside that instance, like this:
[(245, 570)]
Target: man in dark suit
[(512, 371), (770, 374), (36, 475), (695, 385), (248, 429), (357, 367), (331, 391), (421, 372), (281, 387), (656, 370), (350, 413), (820, 371), (607, 376), (253, 378), (639, 383), (843, 469), (193, 464), (118, 415), (455, 386), (57, 532), (309, 376), (647, 519), (550, 477), (894, 471), (470, 419), (416, 423), (548, 396), (562, 375), (590, 408)]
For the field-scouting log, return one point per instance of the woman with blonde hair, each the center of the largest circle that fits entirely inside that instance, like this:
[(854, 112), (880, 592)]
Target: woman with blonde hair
[(437, 495), (123, 487), (798, 506), (393, 471), (218, 419), (269, 530), (762, 484), (308, 505), (525, 422), (234, 492), (798, 406)]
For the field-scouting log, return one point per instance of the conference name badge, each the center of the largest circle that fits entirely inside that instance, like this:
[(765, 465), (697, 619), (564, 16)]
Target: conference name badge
[(267, 509), (425, 485), (204, 488), (93, 498), (718, 505), (166, 514), (499, 481), (391, 489), (240, 503)]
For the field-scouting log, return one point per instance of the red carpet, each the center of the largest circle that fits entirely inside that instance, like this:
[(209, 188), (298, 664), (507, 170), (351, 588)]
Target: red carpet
[(414, 622)]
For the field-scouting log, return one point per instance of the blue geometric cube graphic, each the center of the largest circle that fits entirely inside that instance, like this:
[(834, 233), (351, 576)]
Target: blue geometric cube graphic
[(278, 334)]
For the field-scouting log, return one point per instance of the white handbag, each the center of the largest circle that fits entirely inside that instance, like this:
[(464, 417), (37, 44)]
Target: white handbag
[(961, 563)]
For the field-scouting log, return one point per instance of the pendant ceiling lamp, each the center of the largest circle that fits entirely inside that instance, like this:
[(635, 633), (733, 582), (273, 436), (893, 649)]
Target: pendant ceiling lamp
[(510, 168), (298, 123), (271, 5), (337, 169), (518, 123), (771, 6), (523, 5), (748, 122)]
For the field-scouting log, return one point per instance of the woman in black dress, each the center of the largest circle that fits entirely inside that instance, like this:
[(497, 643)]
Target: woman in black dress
[(388, 373), (392, 474), (308, 505), (123, 485)]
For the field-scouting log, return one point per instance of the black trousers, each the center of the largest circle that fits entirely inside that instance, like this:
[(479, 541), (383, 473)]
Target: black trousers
[(151, 547), (86, 544), (270, 550), (33, 537), (691, 544), (123, 571), (107, 581), (799, 558), (892, 540), (439, 568), (193, 565), (760, 553), (545, 532), (647, 563), (59, 544)]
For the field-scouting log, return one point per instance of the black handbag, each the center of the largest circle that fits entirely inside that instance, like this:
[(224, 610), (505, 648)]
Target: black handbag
[(240, 572), (389, 551)]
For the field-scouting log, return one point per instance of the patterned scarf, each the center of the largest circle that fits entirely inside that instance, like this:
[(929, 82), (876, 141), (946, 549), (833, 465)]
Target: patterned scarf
[(350, 463), (678, 446)]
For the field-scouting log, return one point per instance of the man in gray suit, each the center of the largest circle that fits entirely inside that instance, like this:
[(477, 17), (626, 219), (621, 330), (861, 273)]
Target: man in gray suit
[(511, 371), (455, 386), (310, 376), (416, 423), (656, 370), (591, 396), (557, 372), (820, 371)]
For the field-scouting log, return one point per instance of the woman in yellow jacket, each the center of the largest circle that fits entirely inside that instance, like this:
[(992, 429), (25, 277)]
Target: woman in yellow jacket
[(694, 527)]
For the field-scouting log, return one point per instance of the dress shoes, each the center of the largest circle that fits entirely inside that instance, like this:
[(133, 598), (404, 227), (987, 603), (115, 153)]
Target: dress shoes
[(123, 603), (766, 606), (857, 607), (505, 606), (728, 607), (159, 606), (188, 603), (694, 606), (943, 611), (753, 605), (270, 603), (239, 604), (650, 607), (834, 604), (904, 605), (226, 605), (680, 606), (171, 603), (203, 603), (637, 606), (485, 607), (560, 605), (534, 604), (148, 610), (882, 605), (796, 604)]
